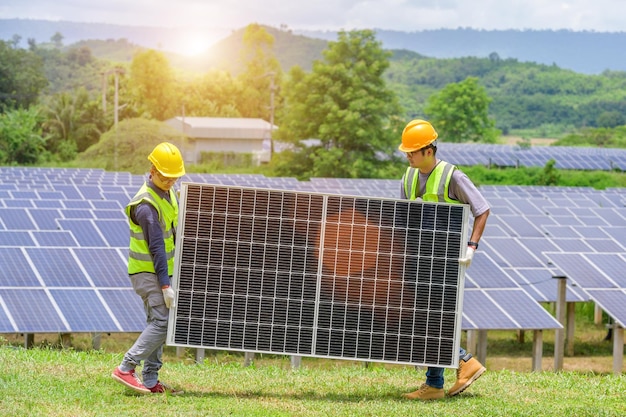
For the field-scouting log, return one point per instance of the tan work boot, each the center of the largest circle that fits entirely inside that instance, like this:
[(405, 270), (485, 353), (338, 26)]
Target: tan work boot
[(469, 371), (425, 393)]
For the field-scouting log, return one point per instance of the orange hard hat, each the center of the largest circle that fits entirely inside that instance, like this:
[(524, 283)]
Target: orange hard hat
[(417, 134), (168, 160)]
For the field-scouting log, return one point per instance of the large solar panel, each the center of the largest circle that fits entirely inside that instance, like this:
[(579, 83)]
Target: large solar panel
[(320, 275)]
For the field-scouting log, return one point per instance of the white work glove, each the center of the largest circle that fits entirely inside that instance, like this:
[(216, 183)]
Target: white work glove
[(469, 254), (168, 296)]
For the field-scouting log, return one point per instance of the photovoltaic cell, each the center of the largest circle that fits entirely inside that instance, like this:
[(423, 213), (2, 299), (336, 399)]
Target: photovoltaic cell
[(57, 238), (57, 267), (319, 275), (15, 238), (485, 273), (16, 219), (484, 312), (16, 271), (75, 303), (84, 231), (612, 265), (115, 232), (105, 267), (512, 253), (32, 311), (126, 307), (612, 301), (582, 272), (522, 308)]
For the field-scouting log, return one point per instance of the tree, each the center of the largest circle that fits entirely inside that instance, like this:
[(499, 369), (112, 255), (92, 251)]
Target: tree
[(344, 103), (21, 142), (22, 77), (460, 113), (152, 85), (214, 94), (72, 123), (550, 175), (261, 75), (126, 148)]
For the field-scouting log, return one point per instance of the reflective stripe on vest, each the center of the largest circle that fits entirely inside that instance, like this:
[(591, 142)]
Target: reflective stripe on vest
[(139, 257), (437, 185)]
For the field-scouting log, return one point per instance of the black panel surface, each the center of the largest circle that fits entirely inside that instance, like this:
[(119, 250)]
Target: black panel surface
[(318, 275)]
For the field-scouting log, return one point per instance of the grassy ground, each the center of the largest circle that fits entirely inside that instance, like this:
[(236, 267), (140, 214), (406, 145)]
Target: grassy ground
[(51, 381)]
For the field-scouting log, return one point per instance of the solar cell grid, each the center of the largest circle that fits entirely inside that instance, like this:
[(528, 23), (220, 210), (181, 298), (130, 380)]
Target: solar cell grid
[(318, 275), (511, 252), (612, 301), (570, 245), (481, 312), (55, 238), (604, 245), (582, 272), (612, 265), (115, 232), (57, 267), (522, 309), (74, 303), (15, 238), (16, 219), (18, 203), (31, 311)]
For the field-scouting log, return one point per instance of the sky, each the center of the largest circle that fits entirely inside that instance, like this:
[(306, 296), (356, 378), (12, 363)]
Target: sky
[(332, 15)]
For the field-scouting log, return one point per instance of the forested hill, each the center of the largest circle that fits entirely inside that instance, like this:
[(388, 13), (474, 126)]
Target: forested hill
[(584, 52)]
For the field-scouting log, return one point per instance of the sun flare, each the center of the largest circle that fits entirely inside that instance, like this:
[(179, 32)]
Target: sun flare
[(195, 43)]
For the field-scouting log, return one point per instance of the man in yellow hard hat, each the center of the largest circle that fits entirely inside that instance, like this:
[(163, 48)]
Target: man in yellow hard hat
[(431, 179), (153, 217)]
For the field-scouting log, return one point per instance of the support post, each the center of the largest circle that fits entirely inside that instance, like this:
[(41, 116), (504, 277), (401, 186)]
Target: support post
[(472, 340), (571, 326), (481, 349), (559, 334), (199, 355), (296, 361), (618, 348), (96, 341), (29, 340), (537, 350), (248, 358)]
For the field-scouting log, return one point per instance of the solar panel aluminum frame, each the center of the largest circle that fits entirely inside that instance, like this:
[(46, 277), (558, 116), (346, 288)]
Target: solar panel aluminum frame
[(319, 275)]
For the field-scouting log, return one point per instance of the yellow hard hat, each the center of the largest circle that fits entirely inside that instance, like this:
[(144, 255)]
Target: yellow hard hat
[(417, 134), (168, 160)]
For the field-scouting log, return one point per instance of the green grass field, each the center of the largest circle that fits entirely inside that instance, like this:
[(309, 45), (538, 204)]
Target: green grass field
[(52, 381)]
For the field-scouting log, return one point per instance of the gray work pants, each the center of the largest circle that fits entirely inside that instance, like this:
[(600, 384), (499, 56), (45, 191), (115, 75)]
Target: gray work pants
[(149, 345)]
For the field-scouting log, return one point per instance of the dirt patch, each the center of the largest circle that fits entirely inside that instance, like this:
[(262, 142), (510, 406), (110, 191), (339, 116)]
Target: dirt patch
[(516, 140)]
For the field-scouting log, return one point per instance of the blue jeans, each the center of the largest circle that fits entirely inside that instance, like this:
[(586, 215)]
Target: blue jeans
[(434, 376)]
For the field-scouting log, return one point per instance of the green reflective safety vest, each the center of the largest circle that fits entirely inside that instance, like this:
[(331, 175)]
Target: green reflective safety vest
[(436, 186), (139, 257)]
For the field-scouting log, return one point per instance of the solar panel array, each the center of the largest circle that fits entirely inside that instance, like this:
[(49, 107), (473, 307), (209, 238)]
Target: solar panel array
[(566, 157), (65, 233), (319, 275), (63, 245)]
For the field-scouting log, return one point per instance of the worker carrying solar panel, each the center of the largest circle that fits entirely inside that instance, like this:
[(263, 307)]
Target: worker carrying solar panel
[(431, 179), (153, 217)]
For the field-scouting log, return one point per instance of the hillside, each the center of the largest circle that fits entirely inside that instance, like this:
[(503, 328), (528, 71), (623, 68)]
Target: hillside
[(602, 50)]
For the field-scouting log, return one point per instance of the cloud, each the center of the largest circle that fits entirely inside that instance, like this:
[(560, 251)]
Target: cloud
[(402, 15)]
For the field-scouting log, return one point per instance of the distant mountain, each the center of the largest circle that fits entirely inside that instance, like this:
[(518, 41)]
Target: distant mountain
[(584, 52)]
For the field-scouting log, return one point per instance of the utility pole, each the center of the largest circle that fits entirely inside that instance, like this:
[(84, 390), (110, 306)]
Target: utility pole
[(272, 75), (116, 71)]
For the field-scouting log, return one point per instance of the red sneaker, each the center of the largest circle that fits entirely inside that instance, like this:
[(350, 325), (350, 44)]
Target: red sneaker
[(161, 388), (130, 379)]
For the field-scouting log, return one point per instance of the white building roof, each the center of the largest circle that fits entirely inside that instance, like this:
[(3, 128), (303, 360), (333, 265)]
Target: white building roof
[(222, 127)]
